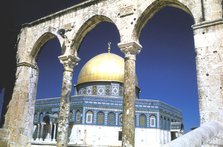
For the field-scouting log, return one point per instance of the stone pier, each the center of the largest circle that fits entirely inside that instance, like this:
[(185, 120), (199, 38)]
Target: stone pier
[(21, 107), (209, 64)]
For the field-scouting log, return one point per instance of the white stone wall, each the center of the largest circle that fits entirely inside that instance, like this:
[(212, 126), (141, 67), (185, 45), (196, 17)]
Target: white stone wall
[(108, 136)]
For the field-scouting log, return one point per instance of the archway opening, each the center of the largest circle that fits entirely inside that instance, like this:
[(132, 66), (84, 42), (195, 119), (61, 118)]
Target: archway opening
[(166, 65), (50, 70), (46, 128), (48, 86), (96, 42)]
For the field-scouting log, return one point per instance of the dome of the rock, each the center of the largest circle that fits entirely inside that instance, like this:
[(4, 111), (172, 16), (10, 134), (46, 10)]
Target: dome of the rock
[(102, 68)]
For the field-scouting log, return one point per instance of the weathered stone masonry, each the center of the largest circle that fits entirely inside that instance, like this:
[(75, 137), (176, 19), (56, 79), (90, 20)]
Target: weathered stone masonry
[(68, 62), (130, 50), (70, 26), (18, 118)]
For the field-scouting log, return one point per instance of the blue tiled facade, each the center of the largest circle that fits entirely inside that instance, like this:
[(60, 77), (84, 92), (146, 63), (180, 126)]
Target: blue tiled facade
[(146, 110)]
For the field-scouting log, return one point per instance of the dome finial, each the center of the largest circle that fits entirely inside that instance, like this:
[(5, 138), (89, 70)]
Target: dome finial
[(109, 47)]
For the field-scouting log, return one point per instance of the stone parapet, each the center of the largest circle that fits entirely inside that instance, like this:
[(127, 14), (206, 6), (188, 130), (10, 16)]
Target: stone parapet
[(199, 137)]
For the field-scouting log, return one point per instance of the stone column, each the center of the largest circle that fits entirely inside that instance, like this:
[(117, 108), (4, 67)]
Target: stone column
[(34, 129), (106, 118), (38, 129), (128, 117), (116, 119), (20, 114), (68, 62), (51, 130), (41, 131), (54, 132), (209, 63)]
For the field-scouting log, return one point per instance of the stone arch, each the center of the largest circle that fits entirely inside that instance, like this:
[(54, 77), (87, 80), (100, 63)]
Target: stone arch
[(174, 20), (40, 41), (46, 119), (46, 126), (152, 9), (39, 49), (87, 26), (47, 114)]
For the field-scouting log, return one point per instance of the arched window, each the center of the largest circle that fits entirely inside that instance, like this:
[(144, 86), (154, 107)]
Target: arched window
[(78, 117), (111, 118), (55, 117), (100, 118), (142, 120), (168, 124), (152, 121), (120, 119), (46, 126), (71, 116), (89, 117), (164, 123), (161, 122), (36, 117), (136, 120)]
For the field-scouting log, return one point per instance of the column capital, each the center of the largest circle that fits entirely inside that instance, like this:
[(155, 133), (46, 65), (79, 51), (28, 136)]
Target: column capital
[(27, 64), (69, 61), (130, 49)]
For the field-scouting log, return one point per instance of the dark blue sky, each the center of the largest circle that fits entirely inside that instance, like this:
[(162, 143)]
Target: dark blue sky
[(165, 67)]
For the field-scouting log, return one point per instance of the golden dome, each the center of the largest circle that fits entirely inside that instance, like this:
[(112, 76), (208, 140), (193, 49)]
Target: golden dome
[(103, 67)]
